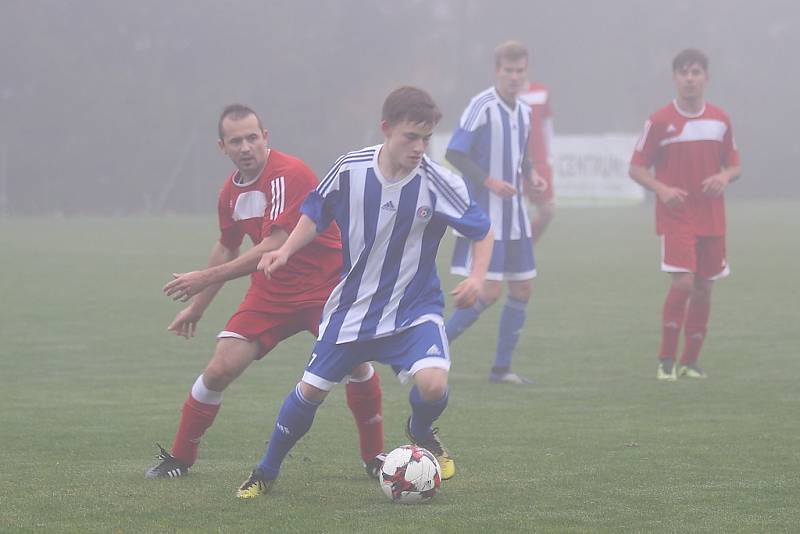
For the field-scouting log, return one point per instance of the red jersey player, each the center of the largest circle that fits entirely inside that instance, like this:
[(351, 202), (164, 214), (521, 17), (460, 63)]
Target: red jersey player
[(539, 142), (690, 147), (261, 200)]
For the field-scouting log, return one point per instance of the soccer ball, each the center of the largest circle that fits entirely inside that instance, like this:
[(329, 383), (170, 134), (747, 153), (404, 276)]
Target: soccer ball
[(410, 475)]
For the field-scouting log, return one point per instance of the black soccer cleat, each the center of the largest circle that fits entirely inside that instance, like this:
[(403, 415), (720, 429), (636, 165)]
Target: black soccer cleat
[(167, 467), (255, 485), (373, 467)]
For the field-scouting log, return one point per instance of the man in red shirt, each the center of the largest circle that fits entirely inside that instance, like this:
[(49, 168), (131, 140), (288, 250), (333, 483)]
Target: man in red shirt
[(539, 151), (261, 199), (687, 156)]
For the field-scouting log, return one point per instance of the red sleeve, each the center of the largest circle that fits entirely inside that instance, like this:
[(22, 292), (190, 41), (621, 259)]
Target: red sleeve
[(730, 152), (646, 149), (285, 211), (537, 144), (231, 235)]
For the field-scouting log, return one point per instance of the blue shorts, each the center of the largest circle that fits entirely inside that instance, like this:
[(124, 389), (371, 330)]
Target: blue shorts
[(418, 347), (511, 260)]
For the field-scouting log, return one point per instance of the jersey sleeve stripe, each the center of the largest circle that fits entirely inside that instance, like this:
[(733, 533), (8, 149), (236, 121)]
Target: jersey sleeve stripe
[(447, 191), (282, 190), (351, 157), (643, 139), (273, 201), (476, 108)]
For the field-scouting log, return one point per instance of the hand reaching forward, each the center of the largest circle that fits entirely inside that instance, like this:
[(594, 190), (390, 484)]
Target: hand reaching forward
[(186, 285), (466, 293), (272, 261), (185, 322)]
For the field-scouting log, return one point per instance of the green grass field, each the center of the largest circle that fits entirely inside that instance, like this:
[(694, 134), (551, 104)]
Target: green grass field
[(90, 379)]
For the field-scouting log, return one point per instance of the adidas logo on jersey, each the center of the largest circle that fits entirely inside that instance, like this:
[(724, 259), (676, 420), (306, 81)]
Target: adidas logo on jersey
[(434, 351), (671, 128), (389, 206)]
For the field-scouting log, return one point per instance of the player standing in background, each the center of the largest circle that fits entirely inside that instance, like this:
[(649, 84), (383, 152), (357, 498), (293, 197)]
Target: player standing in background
[(489, 148), (393, 205), (537, 96), (261, 199), (689, 145)]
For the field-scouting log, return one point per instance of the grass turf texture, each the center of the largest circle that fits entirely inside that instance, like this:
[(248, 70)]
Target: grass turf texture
[(89, 379)]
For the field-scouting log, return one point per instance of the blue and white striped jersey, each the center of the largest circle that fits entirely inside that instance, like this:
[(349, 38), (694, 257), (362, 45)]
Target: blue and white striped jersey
[(390, 235), (495, 137)]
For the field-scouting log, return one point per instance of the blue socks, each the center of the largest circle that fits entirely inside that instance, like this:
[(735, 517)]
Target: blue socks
[(294, 420), (511, 322), (423, 414), (462, 319)]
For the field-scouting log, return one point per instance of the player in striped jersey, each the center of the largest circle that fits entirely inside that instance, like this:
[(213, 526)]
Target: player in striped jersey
[(392, 205), (489, 148), (261, 200)]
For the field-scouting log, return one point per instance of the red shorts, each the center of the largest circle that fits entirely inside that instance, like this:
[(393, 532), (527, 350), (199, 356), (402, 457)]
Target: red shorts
[(702, 255), (546, 196), (270, 328)]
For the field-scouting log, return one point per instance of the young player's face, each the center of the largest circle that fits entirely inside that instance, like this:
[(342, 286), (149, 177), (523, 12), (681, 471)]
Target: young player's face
[(245, 143), (690, 81), (406, 143), (510, 77)]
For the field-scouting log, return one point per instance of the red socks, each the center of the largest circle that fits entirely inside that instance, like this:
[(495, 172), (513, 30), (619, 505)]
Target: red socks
[(695, 330), (364, 400), (195, 420), (674, 311)]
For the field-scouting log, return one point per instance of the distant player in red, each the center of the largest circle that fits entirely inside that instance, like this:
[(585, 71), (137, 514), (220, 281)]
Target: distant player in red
[(539, 144), (261, 200), (690, 148)]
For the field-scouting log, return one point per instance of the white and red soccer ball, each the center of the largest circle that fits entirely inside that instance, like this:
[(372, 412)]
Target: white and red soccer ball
[(410, 475)]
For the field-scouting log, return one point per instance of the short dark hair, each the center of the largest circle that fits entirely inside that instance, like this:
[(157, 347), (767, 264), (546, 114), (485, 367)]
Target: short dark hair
[(510, 51), (236, 112), (412, 104), (688, 57)]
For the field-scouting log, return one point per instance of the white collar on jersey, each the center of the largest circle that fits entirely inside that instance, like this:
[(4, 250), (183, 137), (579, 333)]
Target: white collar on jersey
[(686, 113), (392, 183), (503, 102)]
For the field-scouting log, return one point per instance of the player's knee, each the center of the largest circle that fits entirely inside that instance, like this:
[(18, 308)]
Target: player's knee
[(362, 371), (217, 376), (490, 292), (431, 383), (683, 282), (521, 291), (701, 290), (312, 393)]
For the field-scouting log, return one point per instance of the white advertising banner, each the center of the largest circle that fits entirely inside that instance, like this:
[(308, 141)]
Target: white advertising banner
[(592, 170), (588, 170)]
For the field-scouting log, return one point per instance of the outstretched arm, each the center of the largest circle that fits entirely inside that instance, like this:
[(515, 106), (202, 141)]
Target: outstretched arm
[(185, 322), (186, 285), (303, 234)]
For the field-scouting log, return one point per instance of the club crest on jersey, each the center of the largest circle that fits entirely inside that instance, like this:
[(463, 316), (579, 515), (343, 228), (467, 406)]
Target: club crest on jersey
[(424, 212)]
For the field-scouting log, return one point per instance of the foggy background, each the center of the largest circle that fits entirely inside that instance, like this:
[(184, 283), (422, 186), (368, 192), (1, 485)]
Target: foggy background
[(110, 107)]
